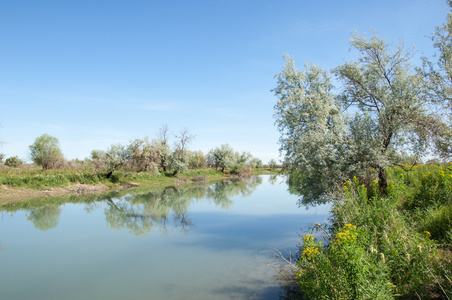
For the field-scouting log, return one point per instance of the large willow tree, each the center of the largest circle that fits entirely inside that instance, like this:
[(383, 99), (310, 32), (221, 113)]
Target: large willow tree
[(378, 117)]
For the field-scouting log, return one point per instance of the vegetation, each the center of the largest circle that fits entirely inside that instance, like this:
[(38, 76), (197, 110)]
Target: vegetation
[(13, 161), (142, 161), (382, 246), (46, 152), (390, 233), (142, 209), (392, 121)]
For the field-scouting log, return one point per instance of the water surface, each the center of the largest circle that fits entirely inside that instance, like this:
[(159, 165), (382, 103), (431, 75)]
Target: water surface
[(211, 242)]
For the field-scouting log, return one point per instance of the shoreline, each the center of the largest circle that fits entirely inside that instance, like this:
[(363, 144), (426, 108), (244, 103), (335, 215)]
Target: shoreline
[(10, 195)]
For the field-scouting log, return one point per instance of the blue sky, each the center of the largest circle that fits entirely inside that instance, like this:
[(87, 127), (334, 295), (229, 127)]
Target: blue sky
[(96, 73)]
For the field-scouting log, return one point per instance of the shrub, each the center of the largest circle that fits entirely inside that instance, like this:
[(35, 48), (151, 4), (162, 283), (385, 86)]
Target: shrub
[(380, 256), (13, 161)]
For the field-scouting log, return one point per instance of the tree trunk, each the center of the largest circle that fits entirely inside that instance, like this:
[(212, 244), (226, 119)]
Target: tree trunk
[(382, 182)]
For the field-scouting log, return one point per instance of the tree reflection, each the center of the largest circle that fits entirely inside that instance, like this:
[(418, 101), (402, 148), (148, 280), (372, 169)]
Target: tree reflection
[(44, 218), (310, 190), (139, 213), (273, 179)]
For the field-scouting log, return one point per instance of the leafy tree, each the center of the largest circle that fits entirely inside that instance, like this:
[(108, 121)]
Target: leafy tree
[(144, 156), (439, 75), (162, 152), (2, 156), (311, 127), (178, 160), (97, 154), (325, 146), (116, 156), (46, 152), (272, 164), (438, 79), (196, 159), (256, 163), (222, 157)]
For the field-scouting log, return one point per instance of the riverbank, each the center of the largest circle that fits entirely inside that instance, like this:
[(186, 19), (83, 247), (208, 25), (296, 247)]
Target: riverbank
[(27, 183)]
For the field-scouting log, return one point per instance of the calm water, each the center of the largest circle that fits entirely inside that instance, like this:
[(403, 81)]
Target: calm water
[(201, 243)]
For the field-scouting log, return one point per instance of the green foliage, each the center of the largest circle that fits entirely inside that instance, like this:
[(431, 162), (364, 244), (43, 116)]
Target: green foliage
[(178, 161), (46, 152), (388, 251), (197, 159), (116, 156), (343, 270), (437, 74), (392, 117), (2, 156), (272, 164), (438, 223), (39, 179), (13, 161), (44, 218), (222, 157)]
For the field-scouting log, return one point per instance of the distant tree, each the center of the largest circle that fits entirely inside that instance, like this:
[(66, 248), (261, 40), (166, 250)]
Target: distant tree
[(2, 156), (163, 134), (97, 154), (143, 155), (13, 161), (196, 159), (178, 160), (222, 157), (183, 138), (272, 164), (162, 152), (46, 152), (257, 163), (116, 156)]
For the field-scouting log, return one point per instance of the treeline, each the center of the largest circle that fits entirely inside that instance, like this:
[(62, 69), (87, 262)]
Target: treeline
[(153, 156)]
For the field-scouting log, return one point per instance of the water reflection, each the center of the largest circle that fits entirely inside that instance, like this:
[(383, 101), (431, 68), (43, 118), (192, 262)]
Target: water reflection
[(141, 211), (226, 254), (44, 218)]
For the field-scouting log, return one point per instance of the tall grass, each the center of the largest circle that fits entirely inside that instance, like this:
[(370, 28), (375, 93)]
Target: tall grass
[(384, 246), (38, 179)]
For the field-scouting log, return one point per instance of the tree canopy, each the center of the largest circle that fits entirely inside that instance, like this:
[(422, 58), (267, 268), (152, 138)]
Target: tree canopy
[(380, 116)]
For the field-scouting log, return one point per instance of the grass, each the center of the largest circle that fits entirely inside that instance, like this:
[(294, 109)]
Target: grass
[(384, 246)]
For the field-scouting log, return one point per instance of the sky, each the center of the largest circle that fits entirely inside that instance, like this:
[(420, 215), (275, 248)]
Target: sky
[(97, 73)]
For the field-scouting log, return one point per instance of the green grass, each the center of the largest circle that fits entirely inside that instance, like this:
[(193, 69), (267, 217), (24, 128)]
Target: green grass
[(39, 179), (384, 246)]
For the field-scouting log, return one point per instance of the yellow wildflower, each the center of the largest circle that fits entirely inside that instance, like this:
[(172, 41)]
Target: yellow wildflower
[(310, 252)]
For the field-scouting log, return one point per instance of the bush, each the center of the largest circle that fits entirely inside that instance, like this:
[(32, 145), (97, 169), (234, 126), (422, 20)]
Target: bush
[(13, 161), (378, 257)]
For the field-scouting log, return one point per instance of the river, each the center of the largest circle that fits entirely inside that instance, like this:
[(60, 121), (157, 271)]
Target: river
[(204, 242)]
